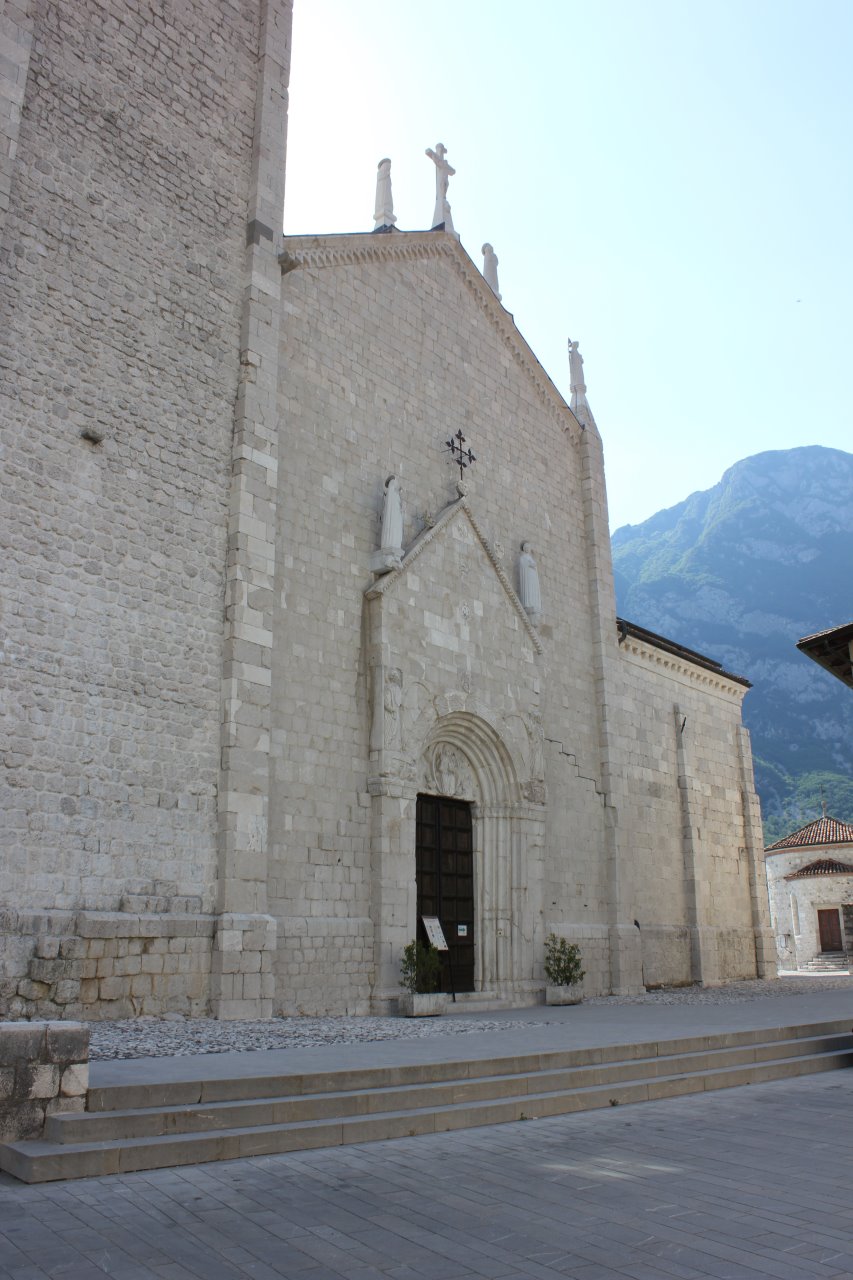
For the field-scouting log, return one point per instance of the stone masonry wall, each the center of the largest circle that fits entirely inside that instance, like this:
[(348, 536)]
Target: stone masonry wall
[(684, 840), (105, 964), (44, 1070), (120, 292)]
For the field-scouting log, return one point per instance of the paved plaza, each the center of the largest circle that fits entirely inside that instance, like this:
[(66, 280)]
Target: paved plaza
[(743, 1183), (750, 1182)]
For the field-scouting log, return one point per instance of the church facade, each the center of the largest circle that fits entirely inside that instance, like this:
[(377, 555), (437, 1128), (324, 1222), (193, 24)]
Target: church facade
[(282, 677)]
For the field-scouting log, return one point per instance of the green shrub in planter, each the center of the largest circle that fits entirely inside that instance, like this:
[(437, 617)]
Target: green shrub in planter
[(562, 962), (420, 971)]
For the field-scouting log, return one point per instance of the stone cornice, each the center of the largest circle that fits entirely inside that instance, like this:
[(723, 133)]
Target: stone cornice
[(448, 515), (652, 656), (412, 246)]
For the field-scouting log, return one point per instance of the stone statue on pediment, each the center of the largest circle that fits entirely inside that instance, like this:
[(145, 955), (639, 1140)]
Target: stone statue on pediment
[(528, 584), (390, 553), (490, 270), (384, 212), (443, 173)]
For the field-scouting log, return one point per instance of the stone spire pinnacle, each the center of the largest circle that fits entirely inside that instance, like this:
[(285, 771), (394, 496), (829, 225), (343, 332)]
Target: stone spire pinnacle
[(384, 213), (490, 270), (443, 173)]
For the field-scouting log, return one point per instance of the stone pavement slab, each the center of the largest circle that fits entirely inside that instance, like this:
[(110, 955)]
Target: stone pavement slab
[(545, 1029), (748, 1184)]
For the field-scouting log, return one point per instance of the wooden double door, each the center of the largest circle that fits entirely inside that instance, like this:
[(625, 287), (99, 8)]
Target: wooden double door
[(444, 857)]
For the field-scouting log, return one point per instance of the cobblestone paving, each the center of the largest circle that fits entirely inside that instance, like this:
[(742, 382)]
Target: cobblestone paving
[(177, 1036), (744, 1184)]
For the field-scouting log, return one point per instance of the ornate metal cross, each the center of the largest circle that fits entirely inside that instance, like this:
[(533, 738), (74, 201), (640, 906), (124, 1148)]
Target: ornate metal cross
[(462, 457)]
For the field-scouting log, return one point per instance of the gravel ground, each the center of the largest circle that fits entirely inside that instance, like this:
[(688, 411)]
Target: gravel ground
[(176, 1036)]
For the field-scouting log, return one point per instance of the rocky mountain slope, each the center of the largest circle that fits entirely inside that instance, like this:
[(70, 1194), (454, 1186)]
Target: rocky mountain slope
[(741, 572)]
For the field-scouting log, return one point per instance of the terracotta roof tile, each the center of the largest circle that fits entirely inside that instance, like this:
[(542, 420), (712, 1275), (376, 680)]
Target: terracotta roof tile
[(821, 831), (822, 867)]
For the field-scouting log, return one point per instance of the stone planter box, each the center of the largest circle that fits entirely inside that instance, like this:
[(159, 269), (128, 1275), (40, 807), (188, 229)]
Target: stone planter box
[(562, 995), (412, 1005)]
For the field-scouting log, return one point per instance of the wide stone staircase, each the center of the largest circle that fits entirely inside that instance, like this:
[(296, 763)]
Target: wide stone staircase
[(153, 1126)]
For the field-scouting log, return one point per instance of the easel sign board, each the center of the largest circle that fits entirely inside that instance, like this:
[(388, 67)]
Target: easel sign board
[(435, 933)]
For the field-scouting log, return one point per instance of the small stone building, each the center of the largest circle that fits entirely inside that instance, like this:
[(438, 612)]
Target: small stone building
[(810, 883), (264, 708)]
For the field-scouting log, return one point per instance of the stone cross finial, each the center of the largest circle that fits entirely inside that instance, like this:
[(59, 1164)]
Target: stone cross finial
[(490, 270), (576, 378), (384, 213), (443, 173)]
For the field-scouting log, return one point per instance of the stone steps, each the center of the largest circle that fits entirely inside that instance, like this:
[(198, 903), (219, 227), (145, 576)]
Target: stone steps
[(136, 1127), (828, 962)]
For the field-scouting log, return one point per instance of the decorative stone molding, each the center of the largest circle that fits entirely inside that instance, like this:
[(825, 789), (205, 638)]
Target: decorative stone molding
[(669, 662), (410, 246)]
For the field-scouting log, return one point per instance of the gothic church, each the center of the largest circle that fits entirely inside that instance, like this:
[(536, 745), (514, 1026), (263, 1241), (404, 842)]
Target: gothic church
[(279, 676)]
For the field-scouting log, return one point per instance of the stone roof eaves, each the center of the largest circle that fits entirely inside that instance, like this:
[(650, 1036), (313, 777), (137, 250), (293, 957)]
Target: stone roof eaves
[(668, 654)]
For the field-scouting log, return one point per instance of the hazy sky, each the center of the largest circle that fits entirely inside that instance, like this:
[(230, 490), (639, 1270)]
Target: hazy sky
[(666, 181)]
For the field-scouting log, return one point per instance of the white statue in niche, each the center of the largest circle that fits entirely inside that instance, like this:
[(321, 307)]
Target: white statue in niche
[(390, 553), (490, 270), (384, 212), (393, 702), (528, 584)]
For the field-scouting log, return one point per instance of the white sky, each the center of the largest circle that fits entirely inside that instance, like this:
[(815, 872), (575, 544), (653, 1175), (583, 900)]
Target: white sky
[(666, 181)]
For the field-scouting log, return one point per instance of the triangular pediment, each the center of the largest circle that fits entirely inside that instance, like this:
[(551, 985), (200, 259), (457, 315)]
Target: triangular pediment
[(457, 511), (327, 251)]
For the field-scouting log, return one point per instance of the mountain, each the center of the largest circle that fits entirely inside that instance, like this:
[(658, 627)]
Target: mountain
[(741, 572)]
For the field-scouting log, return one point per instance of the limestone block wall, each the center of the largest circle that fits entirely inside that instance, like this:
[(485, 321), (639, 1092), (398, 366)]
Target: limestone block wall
[(44, 1071), (105, 964), (686, 841), (391, 344), (120, 290), (794, 904)]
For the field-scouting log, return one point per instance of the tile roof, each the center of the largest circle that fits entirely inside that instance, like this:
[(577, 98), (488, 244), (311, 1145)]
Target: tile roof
[(822, 867), (821, 831)]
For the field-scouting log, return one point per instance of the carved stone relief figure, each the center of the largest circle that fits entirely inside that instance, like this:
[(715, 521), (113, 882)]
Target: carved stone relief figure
[(451, 775), (534, 788), (393, 700), (528, 584), (536, 733)]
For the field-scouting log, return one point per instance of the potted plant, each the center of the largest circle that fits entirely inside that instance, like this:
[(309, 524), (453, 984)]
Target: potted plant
[(420, 974), (563, 971)]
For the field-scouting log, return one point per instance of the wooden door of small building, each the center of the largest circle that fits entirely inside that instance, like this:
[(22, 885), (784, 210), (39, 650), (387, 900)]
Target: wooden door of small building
[(829, 927), (444, 859)]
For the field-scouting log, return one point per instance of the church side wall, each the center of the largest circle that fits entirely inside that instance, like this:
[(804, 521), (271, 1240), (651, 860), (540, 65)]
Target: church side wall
[(382, 362), (684, 842), (120, 280)]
